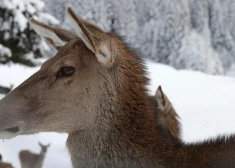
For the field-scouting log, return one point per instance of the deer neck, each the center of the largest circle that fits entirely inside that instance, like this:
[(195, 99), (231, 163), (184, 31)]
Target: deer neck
[(42, 155), (110, 147), (124, 134), (40, 160)]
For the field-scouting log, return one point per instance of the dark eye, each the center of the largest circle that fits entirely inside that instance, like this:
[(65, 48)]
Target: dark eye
[(65, 71)]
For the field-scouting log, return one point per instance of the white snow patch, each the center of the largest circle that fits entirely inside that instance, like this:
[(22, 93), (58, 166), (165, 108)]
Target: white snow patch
[(49, 18), (21, 20), (4, 51)]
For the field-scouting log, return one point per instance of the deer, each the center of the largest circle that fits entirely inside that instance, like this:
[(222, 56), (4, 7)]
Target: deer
[(165, 114), (94, 89), (3, 164), (32, 160)]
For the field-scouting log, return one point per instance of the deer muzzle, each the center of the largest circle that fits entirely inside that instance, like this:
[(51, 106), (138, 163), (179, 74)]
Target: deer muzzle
[(11, 123)]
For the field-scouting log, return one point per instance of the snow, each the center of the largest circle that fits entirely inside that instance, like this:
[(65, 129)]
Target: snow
[(201, 53), (4, 51), (205, 104), (23, 5), (50, 19), (33, 7), (18, 7), (15, 28), (21, 20)]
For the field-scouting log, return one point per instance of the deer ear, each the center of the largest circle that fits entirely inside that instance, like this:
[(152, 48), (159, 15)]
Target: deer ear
[(55, 36), (161, 98), (94, 38)]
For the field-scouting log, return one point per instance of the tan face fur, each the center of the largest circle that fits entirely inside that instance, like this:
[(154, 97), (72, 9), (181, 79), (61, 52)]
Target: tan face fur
[(51, 102)]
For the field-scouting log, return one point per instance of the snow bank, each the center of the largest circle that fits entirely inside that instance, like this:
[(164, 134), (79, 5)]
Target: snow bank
[(205, 104)]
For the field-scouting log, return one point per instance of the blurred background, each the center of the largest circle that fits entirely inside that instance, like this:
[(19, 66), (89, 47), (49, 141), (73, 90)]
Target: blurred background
[(188, 45)]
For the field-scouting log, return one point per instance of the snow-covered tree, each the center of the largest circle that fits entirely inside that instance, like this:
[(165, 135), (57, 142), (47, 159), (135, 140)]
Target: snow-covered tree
[(163, 31), (18, 42), (197, 53), (200, 17), (221, 37), (125, 20), (191, 34), (98, 12)]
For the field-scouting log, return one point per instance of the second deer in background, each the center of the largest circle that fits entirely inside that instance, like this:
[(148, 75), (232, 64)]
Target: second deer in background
[(32, 160), (166, 116)]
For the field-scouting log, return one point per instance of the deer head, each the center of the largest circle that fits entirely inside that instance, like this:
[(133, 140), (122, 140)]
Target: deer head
[(69, 90), (43, 147)]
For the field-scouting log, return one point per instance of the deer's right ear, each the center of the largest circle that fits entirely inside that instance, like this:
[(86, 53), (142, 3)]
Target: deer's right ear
[(95, 39), (55, 36)]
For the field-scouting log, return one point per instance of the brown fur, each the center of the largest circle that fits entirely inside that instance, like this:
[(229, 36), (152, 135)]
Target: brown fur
[(104, 106), (5, 165)]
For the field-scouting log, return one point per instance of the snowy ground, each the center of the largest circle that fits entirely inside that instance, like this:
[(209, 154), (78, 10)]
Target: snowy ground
[(205, 104)]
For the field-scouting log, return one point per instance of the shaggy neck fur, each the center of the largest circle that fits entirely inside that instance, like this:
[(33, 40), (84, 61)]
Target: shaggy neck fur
[(124, 134), (40, 160)]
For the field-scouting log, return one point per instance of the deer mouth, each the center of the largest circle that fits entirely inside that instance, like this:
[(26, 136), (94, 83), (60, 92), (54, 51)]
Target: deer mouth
[(11, 131)]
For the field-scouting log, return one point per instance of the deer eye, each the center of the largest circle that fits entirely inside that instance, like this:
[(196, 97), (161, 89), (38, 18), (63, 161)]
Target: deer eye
[(65, 71)]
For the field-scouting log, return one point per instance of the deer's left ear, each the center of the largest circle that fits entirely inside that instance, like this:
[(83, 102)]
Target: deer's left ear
[(94, 38), (161, 99), (55, 36)]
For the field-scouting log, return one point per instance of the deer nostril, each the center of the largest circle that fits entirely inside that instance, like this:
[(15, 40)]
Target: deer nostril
[(13, 129)]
